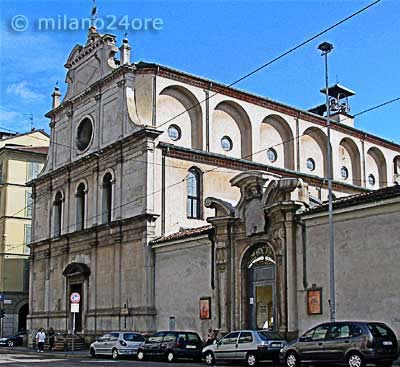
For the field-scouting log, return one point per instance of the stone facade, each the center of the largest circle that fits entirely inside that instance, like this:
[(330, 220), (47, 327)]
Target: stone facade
[(135, 150)]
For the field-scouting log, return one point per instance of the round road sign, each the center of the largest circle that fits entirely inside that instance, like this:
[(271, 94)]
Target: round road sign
[(75, 297)]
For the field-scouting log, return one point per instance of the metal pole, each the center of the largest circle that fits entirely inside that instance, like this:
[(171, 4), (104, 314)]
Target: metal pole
[(73, 331), (331, 239)]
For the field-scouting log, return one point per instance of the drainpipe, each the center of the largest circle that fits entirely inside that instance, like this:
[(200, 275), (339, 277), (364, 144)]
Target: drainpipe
[(232, 278), (364, 178), (163, 153), (304, 248), (298, 142), (211, 237)]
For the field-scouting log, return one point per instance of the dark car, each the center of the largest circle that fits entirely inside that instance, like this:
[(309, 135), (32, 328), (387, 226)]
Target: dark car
[(171, 345), (346, 343), (11, 341), (251, 346)]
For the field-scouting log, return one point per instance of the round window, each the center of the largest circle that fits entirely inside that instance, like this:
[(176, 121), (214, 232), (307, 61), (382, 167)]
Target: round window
[(310, 164), (371, 180), (226, 143), (174, 132), (344, 172), (84, 134), (272, 155)]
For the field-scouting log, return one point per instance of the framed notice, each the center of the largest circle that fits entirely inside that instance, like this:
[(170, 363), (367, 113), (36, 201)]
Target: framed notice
[(314, 301), (205, 308)]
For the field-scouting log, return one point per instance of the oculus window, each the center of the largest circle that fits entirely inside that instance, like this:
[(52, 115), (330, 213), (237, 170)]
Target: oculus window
[(84, 134)]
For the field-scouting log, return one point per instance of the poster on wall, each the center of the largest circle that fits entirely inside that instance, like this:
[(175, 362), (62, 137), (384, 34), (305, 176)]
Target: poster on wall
[(314, 301), (205, 308)]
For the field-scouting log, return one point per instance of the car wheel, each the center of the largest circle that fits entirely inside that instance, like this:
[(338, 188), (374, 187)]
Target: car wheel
[(355, 360), (115, 354), (140, 355), (251, 360), (209, 359), (92, 353), (10, 343), (170, 356), (291, 360)]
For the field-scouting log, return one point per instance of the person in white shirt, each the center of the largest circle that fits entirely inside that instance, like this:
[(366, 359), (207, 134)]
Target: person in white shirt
[(40, 339)]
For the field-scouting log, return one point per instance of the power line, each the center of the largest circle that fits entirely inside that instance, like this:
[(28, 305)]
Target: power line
[(263, 66)]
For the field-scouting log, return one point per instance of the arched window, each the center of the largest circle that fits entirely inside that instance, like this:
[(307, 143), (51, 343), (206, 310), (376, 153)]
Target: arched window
[(107, 198), (80, 206), (57, 214), (193, 206)]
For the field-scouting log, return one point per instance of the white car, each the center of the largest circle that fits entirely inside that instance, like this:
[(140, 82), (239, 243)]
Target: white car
[(116, 344)]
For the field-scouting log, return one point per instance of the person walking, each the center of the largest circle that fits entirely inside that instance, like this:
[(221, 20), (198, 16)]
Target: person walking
[(52, 338), (210, 337), (40, 339)]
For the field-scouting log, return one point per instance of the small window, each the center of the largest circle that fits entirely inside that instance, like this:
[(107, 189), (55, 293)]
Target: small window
[(193, 194), (355, 331), (156, 338), (245, 337), (80, 206), (57, 214), (267, 335), (174, 132), (371, 180), (107, 199), (272, 155), (132, 337), (310, 164), (193, 337), (27, 237), (28, 204), (231, 338), (339, 331), (226, 143), (320, 332), (344, 172), (84, 134), (169, 337), (34, 169), (114, 337), (380, 330)]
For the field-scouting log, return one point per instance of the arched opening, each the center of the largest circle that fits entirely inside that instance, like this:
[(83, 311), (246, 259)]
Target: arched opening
[(258, 269), (276, 134), (77, 275), (225, 116), (396, 170), (313, 149), (57, 214), (80, 206), (194, 202), (349, 162), (175, 100), (107, 198), (22, 316), (376, 169)]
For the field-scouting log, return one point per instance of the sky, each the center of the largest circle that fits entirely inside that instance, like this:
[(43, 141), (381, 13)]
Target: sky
[(221, 40)]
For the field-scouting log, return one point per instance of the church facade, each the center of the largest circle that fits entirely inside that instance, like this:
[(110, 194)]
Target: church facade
[(170, 201)]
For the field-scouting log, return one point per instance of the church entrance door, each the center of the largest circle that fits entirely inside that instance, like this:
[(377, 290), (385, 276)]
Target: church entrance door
[(261, 289)]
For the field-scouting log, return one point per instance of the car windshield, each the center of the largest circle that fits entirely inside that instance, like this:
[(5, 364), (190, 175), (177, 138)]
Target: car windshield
[(266, 335), (132, 337), (380, 330)]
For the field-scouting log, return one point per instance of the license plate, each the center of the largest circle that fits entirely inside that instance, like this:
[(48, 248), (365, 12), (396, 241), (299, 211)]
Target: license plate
[(191, 347), (276, 345), (386, 342)]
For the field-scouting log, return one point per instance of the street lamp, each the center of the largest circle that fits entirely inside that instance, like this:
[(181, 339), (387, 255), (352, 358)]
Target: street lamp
[(326, 48)]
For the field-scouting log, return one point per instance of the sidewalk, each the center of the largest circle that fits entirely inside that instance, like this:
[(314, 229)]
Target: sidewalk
[(57, 354)]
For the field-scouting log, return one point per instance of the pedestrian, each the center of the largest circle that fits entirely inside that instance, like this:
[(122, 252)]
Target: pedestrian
[(52, 338), (40, 339), (210, 337)]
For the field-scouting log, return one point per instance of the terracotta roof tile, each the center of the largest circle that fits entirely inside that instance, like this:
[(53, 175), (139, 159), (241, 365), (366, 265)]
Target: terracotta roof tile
[(185, 233)]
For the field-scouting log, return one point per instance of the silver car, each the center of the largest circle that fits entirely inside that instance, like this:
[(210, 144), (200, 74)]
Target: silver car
[(116, 344), (251, 346)]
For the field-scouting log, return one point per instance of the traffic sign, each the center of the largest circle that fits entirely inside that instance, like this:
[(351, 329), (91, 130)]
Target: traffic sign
[(75, 307), (75, 297)]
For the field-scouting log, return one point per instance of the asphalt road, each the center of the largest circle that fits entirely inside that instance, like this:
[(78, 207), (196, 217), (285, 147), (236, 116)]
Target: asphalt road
[(19, 360)]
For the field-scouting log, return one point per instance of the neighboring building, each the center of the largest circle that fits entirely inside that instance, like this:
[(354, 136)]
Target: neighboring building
[(22, 157), (136, 151)]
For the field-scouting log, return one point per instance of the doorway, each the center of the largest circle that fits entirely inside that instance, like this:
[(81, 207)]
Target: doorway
[(261, 289), (22, 316), (78, 315)]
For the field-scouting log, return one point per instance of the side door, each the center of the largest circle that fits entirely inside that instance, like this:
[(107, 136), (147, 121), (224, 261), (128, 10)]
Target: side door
[(169, 340), (114, 337), (226, 347), (244, 345), (101, 344), (312, 343), (153, 344), (337, 342)]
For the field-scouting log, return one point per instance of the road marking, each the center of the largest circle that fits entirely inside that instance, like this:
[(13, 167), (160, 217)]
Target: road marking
[(15, 358)]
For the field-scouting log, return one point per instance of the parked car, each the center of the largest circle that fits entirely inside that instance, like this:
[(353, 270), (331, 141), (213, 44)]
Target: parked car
[(346, 342), (13, 340), (172, 345), (116, 344), (251, 346)]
